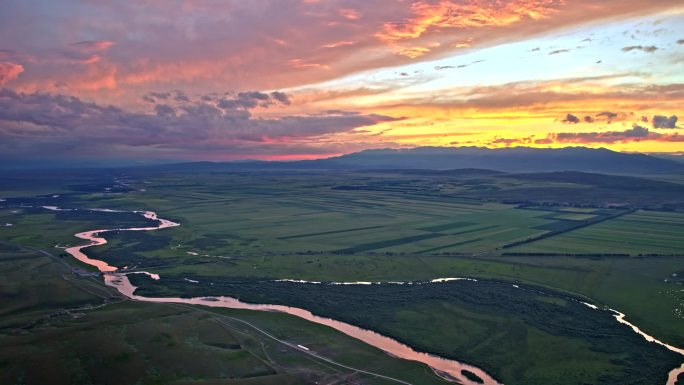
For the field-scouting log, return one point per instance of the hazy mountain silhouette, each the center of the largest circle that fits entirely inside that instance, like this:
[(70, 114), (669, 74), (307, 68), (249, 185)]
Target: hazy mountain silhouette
[(478, 159), (517, 159)]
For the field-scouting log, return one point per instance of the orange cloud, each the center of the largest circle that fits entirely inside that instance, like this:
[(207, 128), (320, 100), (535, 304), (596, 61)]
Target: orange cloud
[(339, 44), (449, 14), (413, 52)]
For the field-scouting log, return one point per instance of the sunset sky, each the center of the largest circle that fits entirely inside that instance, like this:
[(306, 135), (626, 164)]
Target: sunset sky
[(300, 79)]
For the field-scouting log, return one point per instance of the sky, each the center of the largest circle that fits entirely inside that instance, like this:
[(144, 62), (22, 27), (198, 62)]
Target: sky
[(157, 80)]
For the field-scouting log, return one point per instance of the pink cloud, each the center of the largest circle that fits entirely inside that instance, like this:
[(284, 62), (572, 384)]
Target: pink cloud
[(349, 13), (9, 71), (274, 45), (337, 44)]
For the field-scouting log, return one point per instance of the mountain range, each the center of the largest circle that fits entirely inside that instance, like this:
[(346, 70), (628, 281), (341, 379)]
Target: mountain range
[(517, 160)]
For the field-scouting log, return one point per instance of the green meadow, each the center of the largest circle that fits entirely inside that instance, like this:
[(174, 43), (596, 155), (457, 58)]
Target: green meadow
[(639, 233), (242, 231), (76, 331)]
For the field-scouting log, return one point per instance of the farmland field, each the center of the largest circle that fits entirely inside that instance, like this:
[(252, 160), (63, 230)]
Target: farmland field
[(240, 232), (287, 217), (642, 232)]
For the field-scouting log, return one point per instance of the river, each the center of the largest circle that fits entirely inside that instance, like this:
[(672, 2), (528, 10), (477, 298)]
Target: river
[(449, 369)]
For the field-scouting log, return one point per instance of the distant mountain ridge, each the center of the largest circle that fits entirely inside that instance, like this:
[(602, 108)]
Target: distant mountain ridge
[(515, 159), (477, 159)]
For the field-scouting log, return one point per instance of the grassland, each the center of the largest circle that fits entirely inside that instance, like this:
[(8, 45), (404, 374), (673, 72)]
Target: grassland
[(639, 233), (513, 332), (289, 215), (60, 328), (247, 227)]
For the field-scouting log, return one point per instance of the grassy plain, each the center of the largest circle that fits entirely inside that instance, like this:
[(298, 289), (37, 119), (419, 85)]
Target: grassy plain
[(513, 332), (242, 227), (642, 232), (60, 328)]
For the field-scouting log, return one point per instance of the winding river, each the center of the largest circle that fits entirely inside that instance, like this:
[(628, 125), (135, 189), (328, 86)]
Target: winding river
[(448, 369)]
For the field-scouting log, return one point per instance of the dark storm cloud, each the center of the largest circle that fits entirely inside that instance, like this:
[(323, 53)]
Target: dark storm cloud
[(661, 121)]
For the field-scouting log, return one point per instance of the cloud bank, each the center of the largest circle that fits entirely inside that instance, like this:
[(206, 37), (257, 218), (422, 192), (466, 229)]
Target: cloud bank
[(208, 123), (199, 44)]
